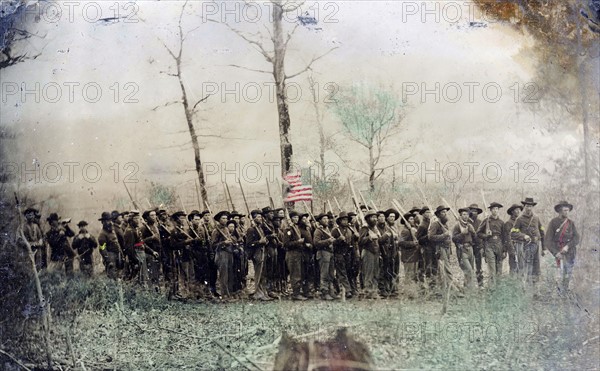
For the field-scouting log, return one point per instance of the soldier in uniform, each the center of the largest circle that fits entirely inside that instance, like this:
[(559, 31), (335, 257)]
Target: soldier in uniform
[(200, 254), (61, 252), (463, 236), (151, 237), (491, 237), (109, 246), (134, 243), (409, 248), (180, 241), (474, 212), (430, 261), (440, 238), (368, 240), (323, 241), (165, 229), (529, 231), (236, 265), (84, 244), (343, 246), (515, 258), (270, 265), (390, 268), (562, 240), (293, 243), (353, 265), (34, 235), (256, 241), (208, 228), (308, 261), (223, 244)]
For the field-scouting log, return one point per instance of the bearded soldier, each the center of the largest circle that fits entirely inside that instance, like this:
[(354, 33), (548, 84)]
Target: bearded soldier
[(84, 244), (270, 265), (208, 228), (151, 237), (391, 259), (255, 247), (110, 249), (294, 243), (430, 261), (368, 240), (345, 240), (515, 258), (490, 233), (562, 240), (200, 254), (61, 252), (34, 235), (165, 228), (134, 242), (409, 248), (179, 241), (529, 231), (323, 241), (463, 236), (439, 236), (474, 212)]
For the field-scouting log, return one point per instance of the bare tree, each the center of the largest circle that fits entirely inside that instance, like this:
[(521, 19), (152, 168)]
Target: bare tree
[(15, 33), (190, 108), (276, 57), (370, 117)]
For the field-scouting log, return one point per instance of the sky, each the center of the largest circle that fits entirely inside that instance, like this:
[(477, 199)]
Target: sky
[(393, 45)]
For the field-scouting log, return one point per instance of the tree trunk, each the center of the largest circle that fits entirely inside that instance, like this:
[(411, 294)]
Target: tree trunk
[(584, 111), (195, 145), (371, 171), (279, 76), (315, 102)]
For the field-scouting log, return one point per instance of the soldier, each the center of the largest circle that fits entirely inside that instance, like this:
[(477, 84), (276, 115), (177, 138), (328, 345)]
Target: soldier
[(110, 249), (562, 240), (84, 243), (440, 238), (280, 273), (256, 241), (223, 243), (237, 251), (34, 235), (390, 265), (200, 254), (430, 260), (294, 243), (134, 243), (409, 248), (515, 258), (165, 228), (323, 241), (368, 240), (353, 266), (208, 228), (463, 236), (308, 261), (61, 252), (529, 231), (270, 250), (343, 246), (474, 212), (180, 241), (44, 249), (490, 234), (151, 237)]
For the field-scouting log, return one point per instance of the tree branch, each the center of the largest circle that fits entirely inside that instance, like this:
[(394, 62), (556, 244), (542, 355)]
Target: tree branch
[(260, 47), (310, 64), (200, 101), (250, 69), (166, 104)]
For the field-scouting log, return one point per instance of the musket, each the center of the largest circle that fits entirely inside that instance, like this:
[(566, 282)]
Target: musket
[(269, 191), (130, 197), (337, 203), (375, 206), (330, 208), (255, 200), (487, 219), (402, 212), (354, 199), (208, 207), (363, 198), (197, 194), (317, 224), (225, 194), (229, 194), (433, 217), (181, 202), (246, 204), (451, 209)]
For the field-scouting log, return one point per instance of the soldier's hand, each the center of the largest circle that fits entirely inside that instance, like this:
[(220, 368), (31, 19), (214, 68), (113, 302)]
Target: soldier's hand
[(87, 235), (527, 238), (79, 236), (488, 233), (263, 240), (301, 240), (543, 252), (342, 238), (155, 254)]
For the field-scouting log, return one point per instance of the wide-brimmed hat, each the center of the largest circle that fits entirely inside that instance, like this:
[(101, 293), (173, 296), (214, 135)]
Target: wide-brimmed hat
[(53, 216), (115, 214), (562, 204), (423, 210), (220, 214), (440, 208), (266, 210), (192, 214), (465, 209), (529, 201), (178, 214), (320, 216), (406, 216), (351, 214), (234, 213), (392, 211), (82, 223), (495, 204), (30, 210), (475, 207), (106, 215), (294, 213), (514, 206), (414, 210), (254, 213), (370, 213), (343, 215)]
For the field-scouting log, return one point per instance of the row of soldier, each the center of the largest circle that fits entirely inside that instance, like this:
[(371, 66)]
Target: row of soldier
[(326, 256)]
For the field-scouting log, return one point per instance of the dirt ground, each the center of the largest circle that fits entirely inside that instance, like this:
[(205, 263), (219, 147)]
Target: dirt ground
[(504, 328)]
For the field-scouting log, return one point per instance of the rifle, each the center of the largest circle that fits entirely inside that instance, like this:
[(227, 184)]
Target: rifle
[(181, 202), (130, 197), (317, 224), (225, 194), (337, 203), (246, 204), (402, 212), (360, 213), (330, 208), (208, 207), (197, 194), (433, 217), (363, 199), (229, 194), (487, 219), (451, 209), (269, 191), (255, 200), (375, 206)]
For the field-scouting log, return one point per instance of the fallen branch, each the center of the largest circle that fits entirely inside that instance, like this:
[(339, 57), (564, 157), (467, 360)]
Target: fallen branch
[(14, 359)]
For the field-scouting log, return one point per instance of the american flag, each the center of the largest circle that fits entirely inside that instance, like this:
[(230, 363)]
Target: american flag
[(296, 191)]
